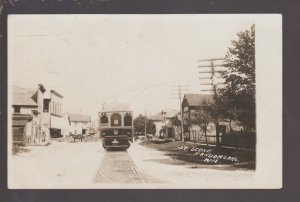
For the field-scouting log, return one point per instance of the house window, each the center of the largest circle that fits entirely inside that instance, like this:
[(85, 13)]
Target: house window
[(17, 109), (58, 109), (52, 108), (46, 106)]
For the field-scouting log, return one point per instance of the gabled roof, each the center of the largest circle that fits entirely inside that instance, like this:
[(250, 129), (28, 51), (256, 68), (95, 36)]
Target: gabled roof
[(56, 93), (169, 113), (115, 107), (24, 96), (79, 118), (196, 99)]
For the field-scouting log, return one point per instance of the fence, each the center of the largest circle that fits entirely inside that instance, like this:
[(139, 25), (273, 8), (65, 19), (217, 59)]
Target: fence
[(239, 140)]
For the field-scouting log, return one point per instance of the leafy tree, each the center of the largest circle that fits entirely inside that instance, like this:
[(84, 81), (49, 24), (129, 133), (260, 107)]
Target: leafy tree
[(238, 95), (139, 125), (202, 116)]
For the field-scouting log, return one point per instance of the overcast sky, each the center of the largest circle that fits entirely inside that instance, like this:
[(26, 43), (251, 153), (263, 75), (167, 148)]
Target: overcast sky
[(95, 59)]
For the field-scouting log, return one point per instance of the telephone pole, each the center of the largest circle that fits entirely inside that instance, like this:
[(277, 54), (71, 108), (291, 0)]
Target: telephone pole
[(179, 90), (145, 123), (211, 73)]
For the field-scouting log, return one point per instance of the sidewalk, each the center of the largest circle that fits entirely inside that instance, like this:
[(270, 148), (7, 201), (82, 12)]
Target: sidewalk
[(59, 165), (179, 174)]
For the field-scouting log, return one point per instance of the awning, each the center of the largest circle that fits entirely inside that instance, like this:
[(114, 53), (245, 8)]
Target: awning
[(21, 119), (19, 122)]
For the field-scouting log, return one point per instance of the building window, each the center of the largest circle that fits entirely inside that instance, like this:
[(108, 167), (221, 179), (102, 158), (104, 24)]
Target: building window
[(55, 108), (46, 106), (52, 108), (17, 109)]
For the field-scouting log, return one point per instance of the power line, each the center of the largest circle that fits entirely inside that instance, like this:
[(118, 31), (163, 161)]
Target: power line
[(209, 59), (209, 73), (216, 65)]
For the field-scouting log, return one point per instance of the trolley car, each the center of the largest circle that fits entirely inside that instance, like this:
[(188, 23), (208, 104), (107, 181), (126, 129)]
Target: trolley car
[(116, 125)]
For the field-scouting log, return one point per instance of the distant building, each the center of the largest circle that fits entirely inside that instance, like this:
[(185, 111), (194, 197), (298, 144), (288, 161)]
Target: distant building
[(27, 107), (53, 120), (177, 126), (158, 120), (164, 123), (79, 123), (94, 127)]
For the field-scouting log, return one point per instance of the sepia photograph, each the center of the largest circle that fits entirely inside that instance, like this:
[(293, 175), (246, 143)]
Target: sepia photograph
[(161, 101)]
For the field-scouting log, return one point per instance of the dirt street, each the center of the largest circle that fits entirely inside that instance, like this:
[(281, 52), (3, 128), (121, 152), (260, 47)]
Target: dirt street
[(59, 165), (88, 165)]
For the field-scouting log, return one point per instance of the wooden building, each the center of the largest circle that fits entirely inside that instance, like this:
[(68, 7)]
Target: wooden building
[(27, 106), (190, 104), (53, 119)]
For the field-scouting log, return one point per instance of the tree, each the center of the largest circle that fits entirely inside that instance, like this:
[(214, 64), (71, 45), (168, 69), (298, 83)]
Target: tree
[(238, 95), (139, 125), (202, 116)]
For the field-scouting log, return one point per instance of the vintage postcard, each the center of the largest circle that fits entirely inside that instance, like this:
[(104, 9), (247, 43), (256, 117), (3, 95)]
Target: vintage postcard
[(144, 101)]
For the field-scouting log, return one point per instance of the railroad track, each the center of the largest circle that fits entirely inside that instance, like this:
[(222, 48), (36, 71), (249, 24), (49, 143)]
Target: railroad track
[(118, 167)]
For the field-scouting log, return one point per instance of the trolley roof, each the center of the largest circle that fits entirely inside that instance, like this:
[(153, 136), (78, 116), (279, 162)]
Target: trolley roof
[(116, 107)]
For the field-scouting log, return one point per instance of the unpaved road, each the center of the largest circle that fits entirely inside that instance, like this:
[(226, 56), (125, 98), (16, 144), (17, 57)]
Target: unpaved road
[(118, 167)]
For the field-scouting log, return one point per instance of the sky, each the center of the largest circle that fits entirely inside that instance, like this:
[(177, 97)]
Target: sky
[(96, 59)]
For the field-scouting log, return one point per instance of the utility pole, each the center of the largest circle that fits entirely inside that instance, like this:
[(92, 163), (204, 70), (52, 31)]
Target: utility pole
[(210, 74), (145, 123), (132, 131), (213, 75), (182, 134), (179, 95)]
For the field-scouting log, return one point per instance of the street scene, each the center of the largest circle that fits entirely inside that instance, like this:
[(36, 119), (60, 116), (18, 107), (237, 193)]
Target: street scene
[(115, 101)]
